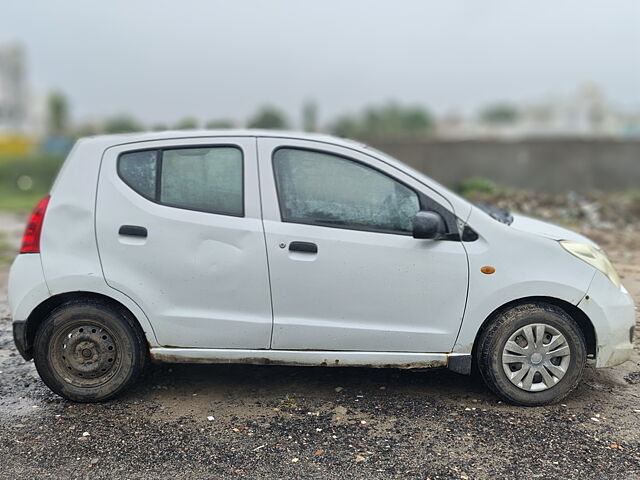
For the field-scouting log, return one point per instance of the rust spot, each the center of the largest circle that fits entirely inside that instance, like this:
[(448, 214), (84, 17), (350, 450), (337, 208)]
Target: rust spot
[(170, 358)]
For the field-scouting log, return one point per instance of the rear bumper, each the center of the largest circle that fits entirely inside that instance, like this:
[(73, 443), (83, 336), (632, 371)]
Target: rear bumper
[(612, 313), (20, 339), (27, 289)]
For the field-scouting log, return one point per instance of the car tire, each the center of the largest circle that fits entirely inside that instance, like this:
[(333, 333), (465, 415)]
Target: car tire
[(531, 354), (87, 351)]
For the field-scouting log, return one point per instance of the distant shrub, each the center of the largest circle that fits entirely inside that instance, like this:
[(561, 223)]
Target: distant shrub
[(477, 186)]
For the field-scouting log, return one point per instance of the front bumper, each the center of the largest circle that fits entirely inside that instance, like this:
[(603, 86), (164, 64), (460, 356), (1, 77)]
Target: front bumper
[(20, 339), (612, 313)]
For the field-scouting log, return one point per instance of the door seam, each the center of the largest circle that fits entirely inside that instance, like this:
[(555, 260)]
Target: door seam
[(266, 249)]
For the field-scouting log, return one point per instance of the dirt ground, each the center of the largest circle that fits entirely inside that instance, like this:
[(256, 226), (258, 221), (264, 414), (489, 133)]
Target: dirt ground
[(324, 423)]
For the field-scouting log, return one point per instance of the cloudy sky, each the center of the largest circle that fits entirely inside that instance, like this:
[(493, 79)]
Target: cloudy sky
[(162, 60)]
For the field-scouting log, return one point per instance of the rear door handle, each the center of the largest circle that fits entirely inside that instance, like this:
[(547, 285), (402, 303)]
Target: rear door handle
[(306, 247), (133, 231)]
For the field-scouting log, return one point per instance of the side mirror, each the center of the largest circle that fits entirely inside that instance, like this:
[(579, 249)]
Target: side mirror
[(428, 224)]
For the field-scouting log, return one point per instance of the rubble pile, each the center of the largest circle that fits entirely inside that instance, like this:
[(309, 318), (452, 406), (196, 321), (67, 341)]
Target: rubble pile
[(592, 211)]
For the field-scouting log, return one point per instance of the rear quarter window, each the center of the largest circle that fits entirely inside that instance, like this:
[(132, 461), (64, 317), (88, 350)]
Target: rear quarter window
[(138, 170)]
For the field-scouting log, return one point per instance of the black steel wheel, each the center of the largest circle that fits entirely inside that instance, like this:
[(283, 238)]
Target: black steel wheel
[(87, 351)]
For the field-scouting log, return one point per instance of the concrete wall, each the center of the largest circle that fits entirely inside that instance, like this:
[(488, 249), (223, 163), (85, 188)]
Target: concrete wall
[(545, 165)]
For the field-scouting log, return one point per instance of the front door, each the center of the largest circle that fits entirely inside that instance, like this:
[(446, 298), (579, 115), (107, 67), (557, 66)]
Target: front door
[(346, 273), (179, 231)]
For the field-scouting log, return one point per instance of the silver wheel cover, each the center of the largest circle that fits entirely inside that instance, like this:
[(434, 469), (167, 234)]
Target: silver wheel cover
[(536, 357)]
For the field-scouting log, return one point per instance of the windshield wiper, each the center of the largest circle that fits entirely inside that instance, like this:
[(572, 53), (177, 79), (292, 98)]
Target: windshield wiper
[(499, 214)]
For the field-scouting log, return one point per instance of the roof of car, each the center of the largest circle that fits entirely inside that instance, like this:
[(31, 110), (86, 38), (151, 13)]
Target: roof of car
[(123, 138)]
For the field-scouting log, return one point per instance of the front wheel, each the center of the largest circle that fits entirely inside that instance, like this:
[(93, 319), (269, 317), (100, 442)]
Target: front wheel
[(532, 354), (88, 352)]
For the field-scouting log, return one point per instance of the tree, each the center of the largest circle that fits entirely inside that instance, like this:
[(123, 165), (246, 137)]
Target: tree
[(219, 123), (268, 117), (347, 126), (58, 113), (187, 123), (122, 123), (499, 114), (390, 120), (159, 127), (310, 116)]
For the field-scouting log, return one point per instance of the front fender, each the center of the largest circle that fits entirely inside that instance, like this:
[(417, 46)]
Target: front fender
[(525, 266)]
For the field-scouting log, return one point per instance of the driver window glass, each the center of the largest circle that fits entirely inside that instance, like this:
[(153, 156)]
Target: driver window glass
[(329, 190)]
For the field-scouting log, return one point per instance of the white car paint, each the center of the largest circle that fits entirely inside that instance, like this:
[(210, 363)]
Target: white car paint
[(362, 290), (207, 287), (201, 277)]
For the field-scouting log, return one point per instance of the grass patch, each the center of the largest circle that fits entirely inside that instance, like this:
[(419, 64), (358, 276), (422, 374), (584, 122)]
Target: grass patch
[(18, 201), (25, 180), (7, 252), (289, 401)]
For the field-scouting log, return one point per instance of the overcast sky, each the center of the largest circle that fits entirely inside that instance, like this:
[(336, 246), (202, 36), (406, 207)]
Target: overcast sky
[(162, 60)]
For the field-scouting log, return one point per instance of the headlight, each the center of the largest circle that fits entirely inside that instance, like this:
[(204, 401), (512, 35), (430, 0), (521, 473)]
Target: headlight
[(594, 257)]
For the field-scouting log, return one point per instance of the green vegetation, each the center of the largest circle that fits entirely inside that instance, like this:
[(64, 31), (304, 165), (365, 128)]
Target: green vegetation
[(289, 401), (58, 113), (122, 124), (499, 114), (310, 116), (187, 123), (219, 123), (390, 120), (269, 117), (474, 186), (6, 250), (24, 180)]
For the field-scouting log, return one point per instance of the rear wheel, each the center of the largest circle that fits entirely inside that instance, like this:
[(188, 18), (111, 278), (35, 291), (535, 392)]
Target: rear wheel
[(532, 354), (88, 352)]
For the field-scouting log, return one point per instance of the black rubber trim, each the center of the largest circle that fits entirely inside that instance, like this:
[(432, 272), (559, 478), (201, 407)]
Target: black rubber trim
[(460, 364), (20, 339), (306, 247), (133, 231)]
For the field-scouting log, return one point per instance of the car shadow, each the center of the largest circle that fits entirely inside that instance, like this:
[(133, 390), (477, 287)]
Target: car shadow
[(272, 384)]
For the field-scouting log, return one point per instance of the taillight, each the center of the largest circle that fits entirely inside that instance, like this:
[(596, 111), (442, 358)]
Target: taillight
[(31, 237)]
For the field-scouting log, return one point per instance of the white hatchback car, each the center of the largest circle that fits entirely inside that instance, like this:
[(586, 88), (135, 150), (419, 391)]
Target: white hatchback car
[(287, 248)]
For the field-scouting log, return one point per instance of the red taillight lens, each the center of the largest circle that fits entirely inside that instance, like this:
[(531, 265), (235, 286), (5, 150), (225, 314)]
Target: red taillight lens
[(31, 237)]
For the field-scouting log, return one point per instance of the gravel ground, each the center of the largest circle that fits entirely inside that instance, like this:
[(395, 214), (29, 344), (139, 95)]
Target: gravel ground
[(281, 422)]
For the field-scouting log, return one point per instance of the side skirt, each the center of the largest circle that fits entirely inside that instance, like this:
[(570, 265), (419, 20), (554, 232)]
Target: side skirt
[(458, 362)]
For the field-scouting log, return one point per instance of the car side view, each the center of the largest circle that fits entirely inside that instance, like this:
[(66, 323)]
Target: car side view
[(287, 248)]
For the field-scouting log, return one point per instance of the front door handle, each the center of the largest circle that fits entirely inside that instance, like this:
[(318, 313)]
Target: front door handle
[(133, 231), (306, 247)]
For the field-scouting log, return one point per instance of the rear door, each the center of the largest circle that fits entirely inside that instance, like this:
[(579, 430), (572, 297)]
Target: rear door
[(179, 231)]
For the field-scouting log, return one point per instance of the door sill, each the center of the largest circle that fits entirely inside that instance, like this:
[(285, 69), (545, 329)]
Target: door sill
[(311, 358)]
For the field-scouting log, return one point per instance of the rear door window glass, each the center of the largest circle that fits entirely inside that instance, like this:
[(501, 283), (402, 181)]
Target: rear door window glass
[(206, 179)]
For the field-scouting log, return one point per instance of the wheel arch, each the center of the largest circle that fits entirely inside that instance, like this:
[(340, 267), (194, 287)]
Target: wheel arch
[(40, 313), (577, 315)]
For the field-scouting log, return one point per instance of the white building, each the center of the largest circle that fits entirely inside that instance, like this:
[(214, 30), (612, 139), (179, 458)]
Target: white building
[(14, 97), (583, 113), (22, 111)]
